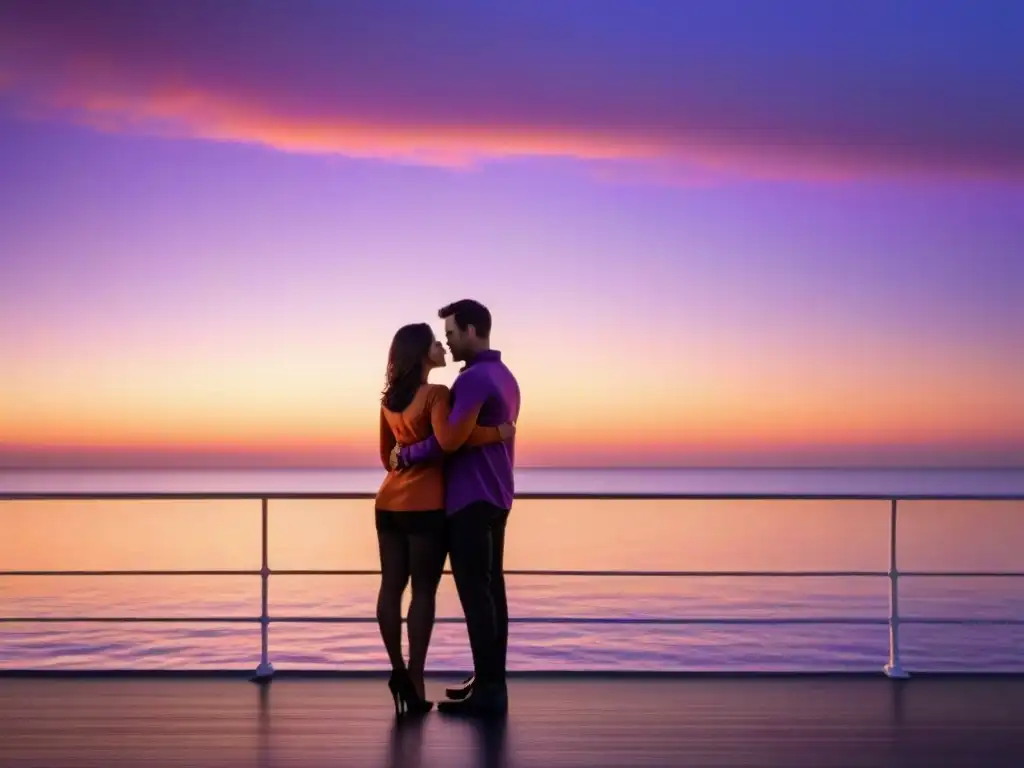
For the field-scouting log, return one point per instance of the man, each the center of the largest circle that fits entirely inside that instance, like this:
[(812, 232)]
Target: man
[(478, 498)]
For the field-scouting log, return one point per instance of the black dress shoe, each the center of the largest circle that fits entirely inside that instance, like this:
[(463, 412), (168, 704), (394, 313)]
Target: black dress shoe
[(489, 700), (459, 692)]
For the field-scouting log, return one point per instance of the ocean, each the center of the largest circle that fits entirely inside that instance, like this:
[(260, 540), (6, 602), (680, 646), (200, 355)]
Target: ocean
[(650, 535)]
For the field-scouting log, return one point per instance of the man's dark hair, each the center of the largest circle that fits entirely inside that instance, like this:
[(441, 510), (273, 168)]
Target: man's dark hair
[(468, 312)]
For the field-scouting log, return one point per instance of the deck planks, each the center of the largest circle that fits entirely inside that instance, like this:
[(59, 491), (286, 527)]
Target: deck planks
[(818, 722)]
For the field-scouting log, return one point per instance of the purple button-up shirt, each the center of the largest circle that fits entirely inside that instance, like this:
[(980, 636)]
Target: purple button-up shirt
[(483, 473)]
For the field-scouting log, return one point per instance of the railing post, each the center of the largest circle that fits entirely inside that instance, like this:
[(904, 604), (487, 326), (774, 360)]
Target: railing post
[(265, 671), (894, 669)]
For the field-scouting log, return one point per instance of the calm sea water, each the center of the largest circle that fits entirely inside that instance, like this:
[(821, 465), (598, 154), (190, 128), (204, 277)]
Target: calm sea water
[(581, 535)]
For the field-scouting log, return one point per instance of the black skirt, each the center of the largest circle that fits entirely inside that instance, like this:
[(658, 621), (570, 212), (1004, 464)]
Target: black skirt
[(412, 523)]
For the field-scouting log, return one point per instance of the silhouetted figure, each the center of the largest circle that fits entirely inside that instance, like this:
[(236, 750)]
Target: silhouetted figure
[(410, 515), (480, 491)]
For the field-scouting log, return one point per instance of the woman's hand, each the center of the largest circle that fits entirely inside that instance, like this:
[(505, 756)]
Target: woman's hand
[(507, 430), (393, 461)]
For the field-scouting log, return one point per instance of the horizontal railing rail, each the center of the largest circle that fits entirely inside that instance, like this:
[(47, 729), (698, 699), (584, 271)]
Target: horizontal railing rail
[(265, 669), (521, 496)]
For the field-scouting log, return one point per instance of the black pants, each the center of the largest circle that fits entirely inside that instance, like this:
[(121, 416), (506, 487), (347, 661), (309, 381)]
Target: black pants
[(476, 546)]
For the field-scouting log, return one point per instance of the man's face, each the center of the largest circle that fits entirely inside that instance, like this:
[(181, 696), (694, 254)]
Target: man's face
[(458, 340)]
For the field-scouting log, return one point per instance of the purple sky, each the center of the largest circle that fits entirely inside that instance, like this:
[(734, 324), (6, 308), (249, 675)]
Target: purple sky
[(727, 233)]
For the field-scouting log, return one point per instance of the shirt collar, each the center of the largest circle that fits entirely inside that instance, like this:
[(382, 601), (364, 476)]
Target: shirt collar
[(487, 356)]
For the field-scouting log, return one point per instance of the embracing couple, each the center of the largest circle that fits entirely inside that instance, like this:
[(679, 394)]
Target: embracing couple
[(448, 491)]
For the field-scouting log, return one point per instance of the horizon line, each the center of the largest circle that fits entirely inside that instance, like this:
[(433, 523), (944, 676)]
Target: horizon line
[(552, 468)]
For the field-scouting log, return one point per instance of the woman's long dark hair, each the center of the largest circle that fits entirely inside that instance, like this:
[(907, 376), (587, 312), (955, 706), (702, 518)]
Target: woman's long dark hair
[(409, 349)]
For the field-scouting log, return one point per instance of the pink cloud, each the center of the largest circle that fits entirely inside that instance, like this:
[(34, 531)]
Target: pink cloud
[(400, 96)]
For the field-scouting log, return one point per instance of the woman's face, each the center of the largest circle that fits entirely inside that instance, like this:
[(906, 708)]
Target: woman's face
[(435, 357)]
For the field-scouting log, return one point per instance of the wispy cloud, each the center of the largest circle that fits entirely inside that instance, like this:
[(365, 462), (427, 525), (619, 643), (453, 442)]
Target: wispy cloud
[(409, 89)]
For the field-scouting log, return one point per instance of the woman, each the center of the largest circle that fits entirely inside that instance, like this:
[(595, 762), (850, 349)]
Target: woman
[(410, 514)]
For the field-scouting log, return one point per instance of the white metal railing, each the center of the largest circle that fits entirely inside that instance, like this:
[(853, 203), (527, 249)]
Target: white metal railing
[(265, 670)]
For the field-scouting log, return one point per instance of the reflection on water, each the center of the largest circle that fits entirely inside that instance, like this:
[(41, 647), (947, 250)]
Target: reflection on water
[(606, 535)]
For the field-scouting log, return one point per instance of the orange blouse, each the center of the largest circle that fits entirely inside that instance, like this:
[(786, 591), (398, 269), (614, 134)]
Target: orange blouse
[(420, 488)]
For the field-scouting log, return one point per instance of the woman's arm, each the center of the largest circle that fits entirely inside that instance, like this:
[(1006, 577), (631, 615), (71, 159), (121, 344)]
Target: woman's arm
[(387, 441), (488, 435), (479, 435), (452, 435), (431, 448)]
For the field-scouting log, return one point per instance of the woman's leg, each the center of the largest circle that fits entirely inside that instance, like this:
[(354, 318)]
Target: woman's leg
[(427, 551), (394, 567)]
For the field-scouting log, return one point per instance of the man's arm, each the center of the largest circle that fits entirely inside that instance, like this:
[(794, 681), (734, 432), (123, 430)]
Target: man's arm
[(452, 426), (417, 453)]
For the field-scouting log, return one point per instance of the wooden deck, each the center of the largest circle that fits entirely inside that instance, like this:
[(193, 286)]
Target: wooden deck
[(816, 722)]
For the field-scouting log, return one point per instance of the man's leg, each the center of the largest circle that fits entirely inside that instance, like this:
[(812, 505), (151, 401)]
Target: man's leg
[(500, 599), (498, 593), (471, 549)]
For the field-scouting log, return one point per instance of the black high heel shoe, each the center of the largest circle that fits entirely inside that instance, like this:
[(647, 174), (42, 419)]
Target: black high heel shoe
[(407, 700)]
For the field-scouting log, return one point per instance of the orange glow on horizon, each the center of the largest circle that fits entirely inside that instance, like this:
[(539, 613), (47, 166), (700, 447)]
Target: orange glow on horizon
[(243, 408)]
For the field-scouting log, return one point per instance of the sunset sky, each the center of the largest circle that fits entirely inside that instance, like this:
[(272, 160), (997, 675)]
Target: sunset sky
[(732, 233)]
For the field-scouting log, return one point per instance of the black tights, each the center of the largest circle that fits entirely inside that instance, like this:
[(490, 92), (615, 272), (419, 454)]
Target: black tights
[(412, 548)]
